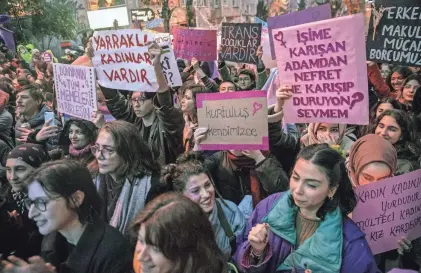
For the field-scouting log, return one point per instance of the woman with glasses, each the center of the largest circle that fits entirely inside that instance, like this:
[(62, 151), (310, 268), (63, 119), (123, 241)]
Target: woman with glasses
[(125, 173), (18, 234), (64, 204)]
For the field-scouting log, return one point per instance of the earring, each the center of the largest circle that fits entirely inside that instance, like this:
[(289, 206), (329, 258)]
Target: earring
[(330, 198)]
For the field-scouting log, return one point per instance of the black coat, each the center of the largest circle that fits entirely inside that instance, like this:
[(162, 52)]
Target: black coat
[(101, 249)]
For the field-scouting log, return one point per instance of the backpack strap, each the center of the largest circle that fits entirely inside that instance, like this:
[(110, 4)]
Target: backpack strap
[(227, 228)]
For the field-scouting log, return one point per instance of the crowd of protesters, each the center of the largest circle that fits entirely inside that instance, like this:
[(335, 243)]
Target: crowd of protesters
[(137, 195)]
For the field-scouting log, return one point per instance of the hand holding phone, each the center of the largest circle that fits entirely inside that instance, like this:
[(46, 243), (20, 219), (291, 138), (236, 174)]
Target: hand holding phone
[(49, 116)]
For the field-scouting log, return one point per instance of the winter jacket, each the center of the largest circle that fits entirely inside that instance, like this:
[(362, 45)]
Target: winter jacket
[(100, 249), (234, 184), (236, 221), (166, 135), (6, 125), (380, 86), (36, 124), (337, 245), (4, 153), (407, 159)]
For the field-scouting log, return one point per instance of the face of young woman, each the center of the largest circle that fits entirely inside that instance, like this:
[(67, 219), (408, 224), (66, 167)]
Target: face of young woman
[(187, 102), (383, 107), (309, 187), (108, 159), (328, 129), (409, 90), (389, 129), (77, 138), (151, 258), (141, 106), (373, 172), (17, 171), (226, 87), (50, 213), (396, 81), (200, 190)]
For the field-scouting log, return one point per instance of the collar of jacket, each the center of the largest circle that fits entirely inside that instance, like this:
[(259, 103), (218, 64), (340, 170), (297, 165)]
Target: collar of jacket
[(322, 252), (81, 257)]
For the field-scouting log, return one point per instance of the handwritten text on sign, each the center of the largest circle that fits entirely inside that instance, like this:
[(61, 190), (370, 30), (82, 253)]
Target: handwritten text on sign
[(239, 42), (195, 43), (397, 38), (325, 64), (388, 210), (122, 60), (235, 121), (75, 90)]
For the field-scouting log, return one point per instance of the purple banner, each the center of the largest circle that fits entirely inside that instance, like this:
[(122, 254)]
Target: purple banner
[(8, 38), (388, 210), (297, 18)]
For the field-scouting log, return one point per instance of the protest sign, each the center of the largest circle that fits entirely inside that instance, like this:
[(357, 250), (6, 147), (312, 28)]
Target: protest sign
[(325, 63), (195, 43), (235, 121), (75, 90), (47, 57), (122, 60), (305, 16), (169, 67), (388, 210), (164, 39), (239, 42), (394, 34)]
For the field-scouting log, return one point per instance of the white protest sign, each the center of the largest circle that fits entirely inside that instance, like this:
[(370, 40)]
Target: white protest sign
[(122, 60), (168, 61), (75, 90)]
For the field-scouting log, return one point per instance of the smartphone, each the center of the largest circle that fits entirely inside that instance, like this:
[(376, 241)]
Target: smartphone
[(48, 116)]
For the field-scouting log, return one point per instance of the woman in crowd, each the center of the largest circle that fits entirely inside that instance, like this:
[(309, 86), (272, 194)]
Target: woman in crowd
[(409, 86), (64, 204), (190, 177), (174, 235), (188, 94), (381, 106), (396, 127), (125, 173), (24, 239), (396, 78), (307, 228), (372, 159)]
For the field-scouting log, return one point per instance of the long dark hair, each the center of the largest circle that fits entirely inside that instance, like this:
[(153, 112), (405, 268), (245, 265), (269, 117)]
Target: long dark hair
[(332, 165), (64, 178), (181, 230), (404, 71), (138, 159)]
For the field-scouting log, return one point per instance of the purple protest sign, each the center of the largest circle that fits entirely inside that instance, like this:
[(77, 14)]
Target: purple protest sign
[(235, 121), (398, 270), (75, 90), (305, 16), (195, 43), (325, 63), (388, 210)]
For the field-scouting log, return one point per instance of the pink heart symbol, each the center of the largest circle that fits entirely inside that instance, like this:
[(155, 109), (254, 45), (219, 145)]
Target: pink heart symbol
[(256, 107)]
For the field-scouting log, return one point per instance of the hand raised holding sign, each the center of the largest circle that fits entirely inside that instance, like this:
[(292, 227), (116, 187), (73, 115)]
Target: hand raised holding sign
[(283, 94), (404, 246), (97, 118), (199, 135), (259, 52), (155, 51)]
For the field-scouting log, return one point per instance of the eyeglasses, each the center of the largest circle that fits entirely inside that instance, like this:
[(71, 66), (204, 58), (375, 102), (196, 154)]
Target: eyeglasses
[(105, 152), (40, 204), (141, 101), (244, 79)]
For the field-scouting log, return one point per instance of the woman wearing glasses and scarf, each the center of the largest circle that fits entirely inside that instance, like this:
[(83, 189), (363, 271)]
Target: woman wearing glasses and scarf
[(64, 205), (125, 173), (18, 234)]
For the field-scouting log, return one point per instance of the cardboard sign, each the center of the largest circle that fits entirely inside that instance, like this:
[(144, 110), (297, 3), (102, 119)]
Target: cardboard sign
[(169, 67), (47, 57), (397, 37), (163, 39), (305, 16), (235, 121), (325, 63), (122, 60), (75, 90), (197, 43), (388, 210), (239, 42), (142, 15)]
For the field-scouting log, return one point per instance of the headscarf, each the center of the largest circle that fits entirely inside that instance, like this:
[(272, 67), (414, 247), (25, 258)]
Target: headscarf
[(32, 154), (368, 149), (311, 137)]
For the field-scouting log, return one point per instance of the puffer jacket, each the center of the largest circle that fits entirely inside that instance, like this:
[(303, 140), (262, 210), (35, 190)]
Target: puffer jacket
[(166, 135), (407, 159), (337, 246), (234, 218)]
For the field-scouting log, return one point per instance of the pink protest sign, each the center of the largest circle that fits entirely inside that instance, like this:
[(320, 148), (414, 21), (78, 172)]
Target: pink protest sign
[(388, 210), (197, 43), (325, 63), (235, 121)]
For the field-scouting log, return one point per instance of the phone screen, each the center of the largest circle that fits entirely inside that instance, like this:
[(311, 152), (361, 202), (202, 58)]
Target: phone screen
[(49, 116)]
